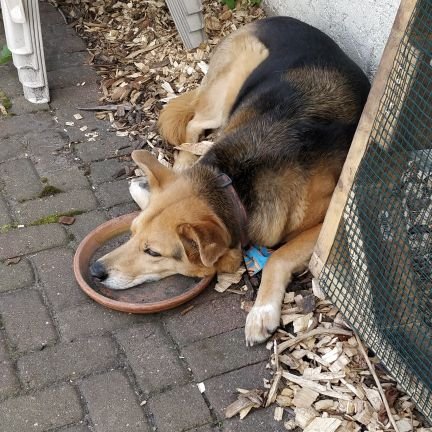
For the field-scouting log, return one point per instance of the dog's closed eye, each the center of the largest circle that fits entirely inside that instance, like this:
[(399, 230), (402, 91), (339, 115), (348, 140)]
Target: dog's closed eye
[(151, 252)]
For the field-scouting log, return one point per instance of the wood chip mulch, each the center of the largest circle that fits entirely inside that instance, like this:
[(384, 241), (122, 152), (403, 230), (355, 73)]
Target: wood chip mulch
[(322, 377), (136, 50)]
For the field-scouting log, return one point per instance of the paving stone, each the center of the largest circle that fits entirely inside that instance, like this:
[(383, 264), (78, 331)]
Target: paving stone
[(123, 209), (179, 409), (9, 384), (69, 360), (60, 30), (111, 194), (50, 150), (76, 428), (103, 148), (70, 42), (206, 428), (225, 315), (105, 171), (15, 125), (112, 404), (20, 179), (93, 318), (222, 353), (221, 390), (86, 222), (66, 98), (4, 212), (68, 179), (209, 294), (153, 357), (54, 407), (26, 320), (60, 60), (71, 76), (76, 200), (21, 106), (54, 265), (15, 276), (94, 127), (9, 80), (32, 239), (256, 421), (11, 147), (49, 15)]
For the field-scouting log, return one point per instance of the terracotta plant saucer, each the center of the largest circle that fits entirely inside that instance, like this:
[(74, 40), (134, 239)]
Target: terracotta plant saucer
[(148, 297)]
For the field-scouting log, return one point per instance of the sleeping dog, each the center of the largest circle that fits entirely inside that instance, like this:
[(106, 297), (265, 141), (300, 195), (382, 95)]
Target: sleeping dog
[(286, 101)]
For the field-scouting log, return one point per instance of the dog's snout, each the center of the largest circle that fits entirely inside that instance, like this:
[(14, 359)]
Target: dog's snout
[(98, 271)]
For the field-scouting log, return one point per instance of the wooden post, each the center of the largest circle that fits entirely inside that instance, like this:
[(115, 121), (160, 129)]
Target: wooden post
[(360, 140)]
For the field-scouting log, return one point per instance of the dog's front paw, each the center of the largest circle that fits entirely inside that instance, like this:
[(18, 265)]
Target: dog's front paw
[(261, 322), (140, 191)]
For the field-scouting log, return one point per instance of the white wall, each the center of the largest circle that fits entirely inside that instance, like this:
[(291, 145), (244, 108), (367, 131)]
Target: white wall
[(360, 27)]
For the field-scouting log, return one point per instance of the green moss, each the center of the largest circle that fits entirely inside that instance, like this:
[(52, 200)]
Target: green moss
[(46, 220), (7, 227), (54, 218), (49, 190), (5, 55), (5, 101)]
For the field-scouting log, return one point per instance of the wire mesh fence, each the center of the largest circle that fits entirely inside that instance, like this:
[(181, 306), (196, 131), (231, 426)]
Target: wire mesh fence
[(379, 271)]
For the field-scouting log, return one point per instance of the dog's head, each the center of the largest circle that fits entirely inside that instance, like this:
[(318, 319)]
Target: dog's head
[(176, 232)]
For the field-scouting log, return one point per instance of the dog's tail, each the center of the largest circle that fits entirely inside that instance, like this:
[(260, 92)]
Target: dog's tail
[(174, 118)]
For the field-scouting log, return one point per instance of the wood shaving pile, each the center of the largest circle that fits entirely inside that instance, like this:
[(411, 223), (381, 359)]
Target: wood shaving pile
[(321, 380), (135, 48)]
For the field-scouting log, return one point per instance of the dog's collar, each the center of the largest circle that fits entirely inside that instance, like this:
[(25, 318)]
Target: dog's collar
[(225, 182)]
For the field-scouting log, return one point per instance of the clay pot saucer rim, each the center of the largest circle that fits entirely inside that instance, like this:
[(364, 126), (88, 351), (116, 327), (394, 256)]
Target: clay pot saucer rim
[(99, 236)]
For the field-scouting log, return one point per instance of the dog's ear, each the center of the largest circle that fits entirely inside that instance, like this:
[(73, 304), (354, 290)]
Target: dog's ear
[(204, 242), (157, 174)]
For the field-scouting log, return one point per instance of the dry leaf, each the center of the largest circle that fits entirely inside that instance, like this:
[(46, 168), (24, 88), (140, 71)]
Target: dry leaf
[(225, 280), (66, 220), (212, 23), (198, 148), (391, 395)]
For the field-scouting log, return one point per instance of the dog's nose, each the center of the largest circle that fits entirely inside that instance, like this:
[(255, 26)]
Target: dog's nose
[(98, 271)]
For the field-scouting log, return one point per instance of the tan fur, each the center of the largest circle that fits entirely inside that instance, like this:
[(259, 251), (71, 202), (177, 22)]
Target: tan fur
[(313, 204), (289, 204), (276, 215), (328, 91), (301, 204), (175, 117), (168, 225), (240, 118), (234, 60)]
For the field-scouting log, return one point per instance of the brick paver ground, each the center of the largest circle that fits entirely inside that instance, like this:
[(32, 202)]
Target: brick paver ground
[(66, 363)]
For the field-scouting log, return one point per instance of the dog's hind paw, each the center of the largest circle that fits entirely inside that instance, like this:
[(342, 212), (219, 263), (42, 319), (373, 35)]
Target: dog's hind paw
[(261, 323)]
